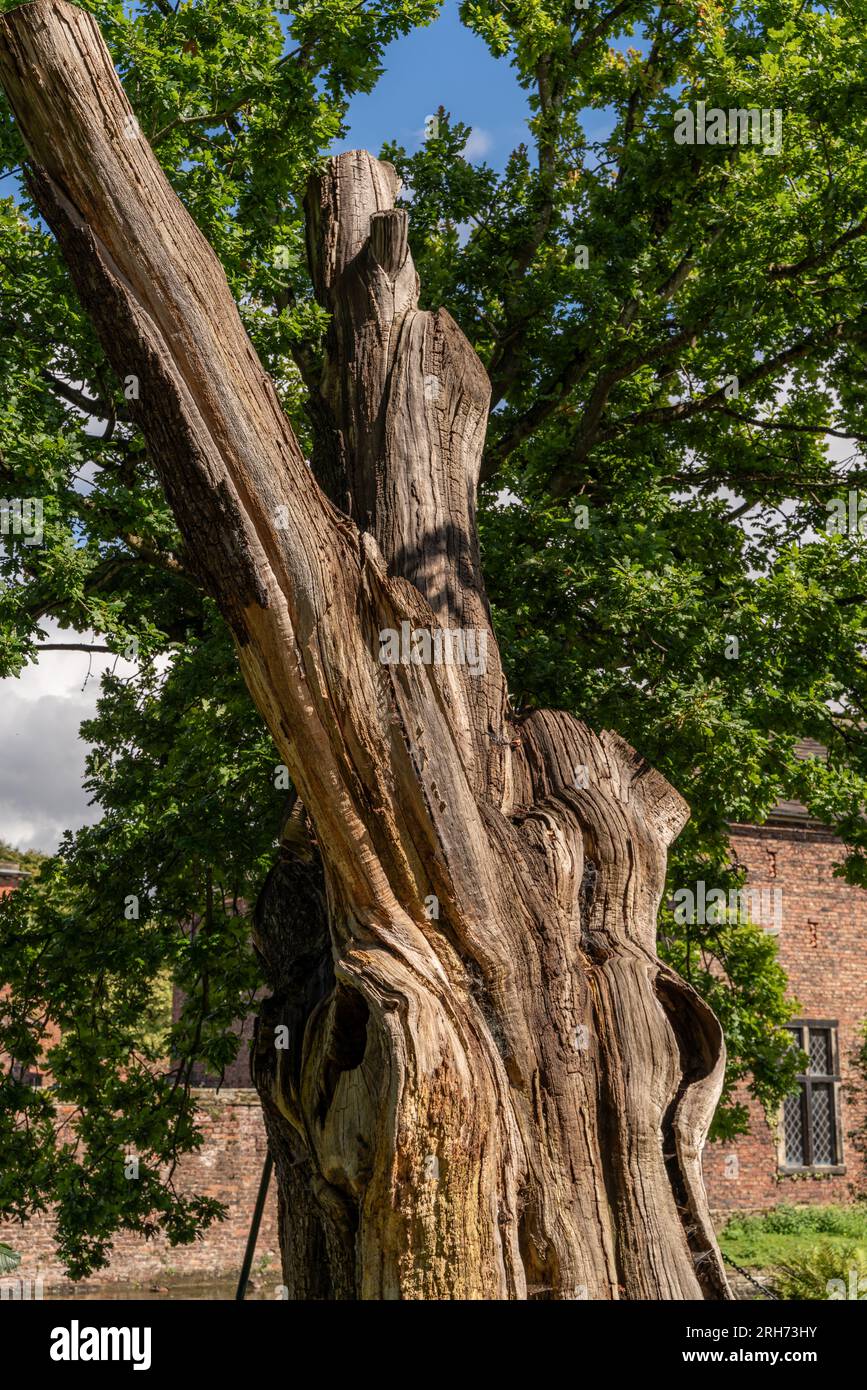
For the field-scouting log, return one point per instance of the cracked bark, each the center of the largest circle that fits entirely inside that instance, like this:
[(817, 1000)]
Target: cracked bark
[(506, 1097)]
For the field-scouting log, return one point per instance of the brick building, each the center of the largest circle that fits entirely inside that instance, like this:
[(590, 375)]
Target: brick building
[(808, 1154), (228, 1166), (10, 877)]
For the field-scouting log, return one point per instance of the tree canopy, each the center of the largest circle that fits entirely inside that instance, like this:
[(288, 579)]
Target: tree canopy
[(675, 337)]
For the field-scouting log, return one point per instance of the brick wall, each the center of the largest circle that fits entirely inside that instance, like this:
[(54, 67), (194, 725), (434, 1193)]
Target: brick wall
[(10, 878), (237, 1073), (228, 1166), (823, 948)]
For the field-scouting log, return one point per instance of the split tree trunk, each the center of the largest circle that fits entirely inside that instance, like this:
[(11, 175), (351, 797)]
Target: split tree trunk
[(493, 1089)]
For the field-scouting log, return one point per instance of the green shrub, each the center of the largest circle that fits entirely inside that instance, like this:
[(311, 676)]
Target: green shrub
[(841, 1221), (789, 1221), (810, 1276), (786, 1220)]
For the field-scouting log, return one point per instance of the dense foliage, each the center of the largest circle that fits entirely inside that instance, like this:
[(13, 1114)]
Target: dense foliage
[(675, 337)]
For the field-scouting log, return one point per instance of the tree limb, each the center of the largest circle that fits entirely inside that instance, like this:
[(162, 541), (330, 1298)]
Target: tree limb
[(74, 647), (718, 400), (782, 271)]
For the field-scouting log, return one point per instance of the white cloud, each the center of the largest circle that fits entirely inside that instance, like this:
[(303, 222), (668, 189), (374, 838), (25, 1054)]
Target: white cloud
[(43, 764), (41, 754), (479, 143)]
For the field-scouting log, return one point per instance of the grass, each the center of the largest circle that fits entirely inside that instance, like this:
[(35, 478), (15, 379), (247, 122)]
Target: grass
[(791, 1236)]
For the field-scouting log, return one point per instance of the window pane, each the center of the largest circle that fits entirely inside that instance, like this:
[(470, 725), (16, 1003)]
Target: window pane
[(823, 1128), (22, 1073), (820, 1052), (793, 1130)]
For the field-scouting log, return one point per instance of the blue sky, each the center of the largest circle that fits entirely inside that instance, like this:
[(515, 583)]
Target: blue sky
[(446, 65), (442, 65)]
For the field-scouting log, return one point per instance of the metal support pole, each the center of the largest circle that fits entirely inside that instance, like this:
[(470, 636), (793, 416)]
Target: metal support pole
[(254, 1228)]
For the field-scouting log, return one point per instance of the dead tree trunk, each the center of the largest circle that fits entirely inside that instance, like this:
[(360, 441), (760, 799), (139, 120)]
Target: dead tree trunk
[(493, 1089)]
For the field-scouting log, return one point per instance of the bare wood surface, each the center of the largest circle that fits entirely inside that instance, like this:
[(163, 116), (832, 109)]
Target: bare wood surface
[(505, 1097)]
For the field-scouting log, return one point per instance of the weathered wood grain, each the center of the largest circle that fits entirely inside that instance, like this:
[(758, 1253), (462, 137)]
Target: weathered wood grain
[(494, 1089)]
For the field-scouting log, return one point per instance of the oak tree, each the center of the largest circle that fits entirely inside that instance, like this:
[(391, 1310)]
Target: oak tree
[(508, 1094), (493, 1085)]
